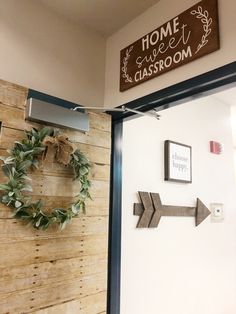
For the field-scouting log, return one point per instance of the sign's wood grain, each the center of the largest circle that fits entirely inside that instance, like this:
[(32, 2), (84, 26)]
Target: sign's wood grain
[(189, 36)]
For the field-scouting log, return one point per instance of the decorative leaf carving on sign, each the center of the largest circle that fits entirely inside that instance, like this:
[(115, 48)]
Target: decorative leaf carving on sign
[(204, 16), (192, 34), (125, 63)]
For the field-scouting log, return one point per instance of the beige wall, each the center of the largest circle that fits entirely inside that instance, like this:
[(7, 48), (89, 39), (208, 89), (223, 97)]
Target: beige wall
[(148, 21), (45, 52)]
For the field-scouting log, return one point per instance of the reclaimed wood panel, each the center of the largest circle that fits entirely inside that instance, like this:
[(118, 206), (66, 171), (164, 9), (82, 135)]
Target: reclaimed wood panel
[(97, 172), (13, 95), (62, 272), (44, 185), (96, 154), (23, 277), (92, 304), (16, 114), (11, 229), (93, 137), (52, 294), (99, 121), (29, 252), (94, 207), (64, 186)]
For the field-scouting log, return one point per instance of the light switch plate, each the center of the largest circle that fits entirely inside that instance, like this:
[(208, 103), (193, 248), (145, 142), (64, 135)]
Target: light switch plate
[(217, 212)]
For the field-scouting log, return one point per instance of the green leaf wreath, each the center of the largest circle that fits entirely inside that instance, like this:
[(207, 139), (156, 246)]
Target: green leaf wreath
[(25, 155)]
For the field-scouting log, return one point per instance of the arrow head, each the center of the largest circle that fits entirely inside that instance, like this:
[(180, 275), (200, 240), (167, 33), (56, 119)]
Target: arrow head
[(202, 212)]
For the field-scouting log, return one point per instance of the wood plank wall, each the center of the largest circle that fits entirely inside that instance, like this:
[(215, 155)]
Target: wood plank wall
[(55, 272)]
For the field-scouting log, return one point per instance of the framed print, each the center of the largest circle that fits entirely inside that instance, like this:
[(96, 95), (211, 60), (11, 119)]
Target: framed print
[(178, 162)]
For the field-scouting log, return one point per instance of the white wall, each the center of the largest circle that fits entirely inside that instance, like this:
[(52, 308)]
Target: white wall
[(43, 51), (233, 125), (154, 17), (235, 161), (179, 268)]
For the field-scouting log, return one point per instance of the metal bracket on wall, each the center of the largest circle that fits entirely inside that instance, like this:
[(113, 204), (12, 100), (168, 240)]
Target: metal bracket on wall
[(151, 210), (45, 112)]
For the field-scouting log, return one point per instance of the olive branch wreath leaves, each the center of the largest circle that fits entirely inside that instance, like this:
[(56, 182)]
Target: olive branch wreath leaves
[(25, 156), (125, 63), (204, 16)]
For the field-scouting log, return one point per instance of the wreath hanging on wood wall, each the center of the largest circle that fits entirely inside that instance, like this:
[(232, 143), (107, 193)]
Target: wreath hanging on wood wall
[(25, 155)]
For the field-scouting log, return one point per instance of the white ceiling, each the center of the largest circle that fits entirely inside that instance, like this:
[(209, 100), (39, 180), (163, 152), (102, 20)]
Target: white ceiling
[(103, 16)]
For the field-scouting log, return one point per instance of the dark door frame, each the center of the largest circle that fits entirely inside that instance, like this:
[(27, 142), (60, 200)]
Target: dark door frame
[(204, 84)]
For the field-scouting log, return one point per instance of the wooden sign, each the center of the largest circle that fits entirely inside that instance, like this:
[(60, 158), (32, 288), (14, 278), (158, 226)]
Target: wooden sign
[(151, 210), (191, 35)]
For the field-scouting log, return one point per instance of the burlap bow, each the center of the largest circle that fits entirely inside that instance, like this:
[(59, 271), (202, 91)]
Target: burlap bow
[(58, 147)]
